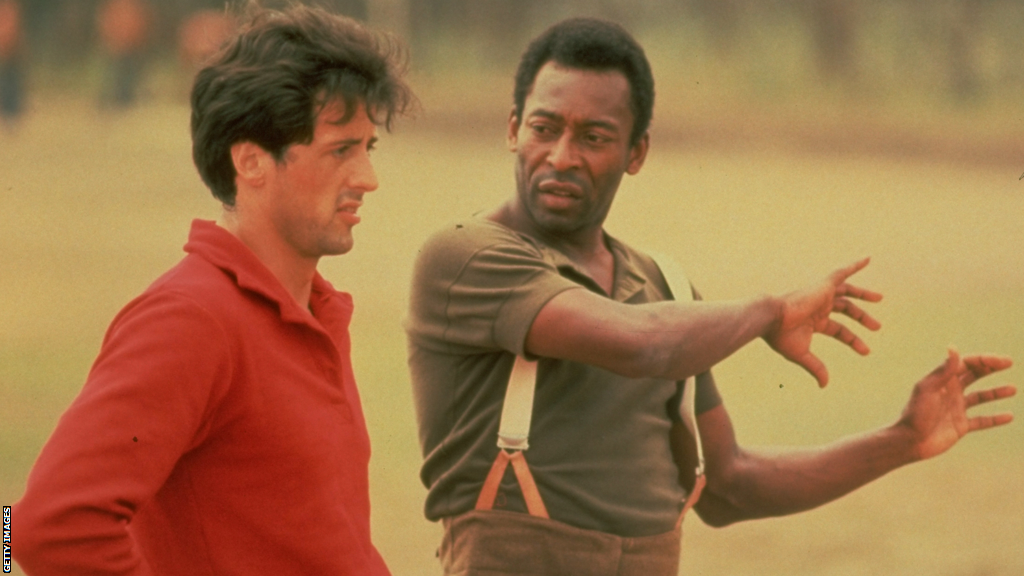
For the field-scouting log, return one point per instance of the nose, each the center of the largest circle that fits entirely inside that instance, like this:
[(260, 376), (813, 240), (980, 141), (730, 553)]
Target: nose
[(564, 155), (363, 177)]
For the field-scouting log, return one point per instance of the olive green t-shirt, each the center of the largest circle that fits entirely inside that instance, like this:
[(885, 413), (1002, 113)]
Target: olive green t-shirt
[(599, 442)]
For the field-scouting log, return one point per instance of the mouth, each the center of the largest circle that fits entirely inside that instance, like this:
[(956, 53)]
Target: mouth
[(348, 212), (559, 195), (560, 188)]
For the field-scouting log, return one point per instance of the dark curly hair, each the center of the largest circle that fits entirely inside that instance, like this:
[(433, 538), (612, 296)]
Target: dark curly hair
[(591, 44), (269, 82)]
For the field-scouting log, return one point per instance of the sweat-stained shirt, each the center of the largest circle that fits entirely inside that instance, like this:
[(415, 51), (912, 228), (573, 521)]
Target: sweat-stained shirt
[(219, 432)]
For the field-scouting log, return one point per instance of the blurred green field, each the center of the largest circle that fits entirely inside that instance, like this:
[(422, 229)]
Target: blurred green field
[(92, 208)]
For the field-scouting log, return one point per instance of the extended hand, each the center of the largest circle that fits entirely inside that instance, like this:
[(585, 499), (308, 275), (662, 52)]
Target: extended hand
[(937, 411), (807, 311)]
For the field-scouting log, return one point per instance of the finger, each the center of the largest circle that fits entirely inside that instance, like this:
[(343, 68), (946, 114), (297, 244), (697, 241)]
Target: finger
[(987, 363), (850, 309), (840, 275), (816, 367), (954, 363), (980, 366), (983, 396), (844, 335), (986, 422), (858, 293), (947, 370), (977, 367)]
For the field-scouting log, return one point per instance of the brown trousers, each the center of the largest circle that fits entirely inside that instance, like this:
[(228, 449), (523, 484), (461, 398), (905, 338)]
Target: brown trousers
[(496, 543)]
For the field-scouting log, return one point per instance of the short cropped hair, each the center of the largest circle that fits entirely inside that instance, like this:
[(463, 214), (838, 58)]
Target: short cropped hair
[(591, 44), (270, 81)]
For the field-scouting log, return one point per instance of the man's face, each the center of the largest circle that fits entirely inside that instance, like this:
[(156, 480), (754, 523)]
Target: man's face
[(572, 146), (317, 188)]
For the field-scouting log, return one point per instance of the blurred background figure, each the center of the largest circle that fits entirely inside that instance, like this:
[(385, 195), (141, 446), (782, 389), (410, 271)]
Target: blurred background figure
[(123, 28), (201, 35), (11, 61)]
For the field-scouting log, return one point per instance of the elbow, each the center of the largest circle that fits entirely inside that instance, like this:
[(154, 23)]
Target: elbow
[(28, 530), (716, 520), (723, 501), (717, 512)]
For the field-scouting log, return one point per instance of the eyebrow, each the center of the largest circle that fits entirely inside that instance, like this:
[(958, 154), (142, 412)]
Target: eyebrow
[(547, 114), (352, 142)]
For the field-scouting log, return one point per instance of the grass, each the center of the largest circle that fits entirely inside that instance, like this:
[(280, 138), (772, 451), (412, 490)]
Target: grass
[(95, 207)]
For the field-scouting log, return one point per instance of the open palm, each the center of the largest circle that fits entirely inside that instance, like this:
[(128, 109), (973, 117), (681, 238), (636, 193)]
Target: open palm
[(809, 311), (937, 410)]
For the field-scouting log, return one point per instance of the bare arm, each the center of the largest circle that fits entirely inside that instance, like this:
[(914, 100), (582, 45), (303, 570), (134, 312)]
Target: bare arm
[(675, 340), (744, 484)]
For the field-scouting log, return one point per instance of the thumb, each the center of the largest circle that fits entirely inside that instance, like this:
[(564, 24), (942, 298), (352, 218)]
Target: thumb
[(953, 365)]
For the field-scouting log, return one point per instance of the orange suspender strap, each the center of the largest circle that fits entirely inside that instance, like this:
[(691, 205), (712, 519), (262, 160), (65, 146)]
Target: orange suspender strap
[(513, 439), (534, 503)]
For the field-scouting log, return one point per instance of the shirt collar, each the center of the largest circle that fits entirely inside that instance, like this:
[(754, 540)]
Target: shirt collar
[(628, 281), (222, 249)]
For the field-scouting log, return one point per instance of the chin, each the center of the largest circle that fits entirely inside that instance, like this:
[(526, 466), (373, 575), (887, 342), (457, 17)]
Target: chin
[(337, 248), (556, 222)]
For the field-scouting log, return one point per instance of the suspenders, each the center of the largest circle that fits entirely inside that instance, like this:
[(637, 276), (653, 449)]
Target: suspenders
[(513, 440), (517, 410)]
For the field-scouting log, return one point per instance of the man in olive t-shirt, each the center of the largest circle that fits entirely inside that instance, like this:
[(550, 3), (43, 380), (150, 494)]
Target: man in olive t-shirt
[(539, 277)]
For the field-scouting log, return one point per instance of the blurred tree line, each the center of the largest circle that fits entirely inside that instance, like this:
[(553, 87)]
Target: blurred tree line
[(964, 48)]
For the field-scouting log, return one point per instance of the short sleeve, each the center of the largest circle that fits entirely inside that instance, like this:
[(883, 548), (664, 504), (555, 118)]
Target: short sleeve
[(477, 288), (707, 393)]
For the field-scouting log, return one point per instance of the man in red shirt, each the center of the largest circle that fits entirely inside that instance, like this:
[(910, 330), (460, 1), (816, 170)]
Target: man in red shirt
[(220, 429)]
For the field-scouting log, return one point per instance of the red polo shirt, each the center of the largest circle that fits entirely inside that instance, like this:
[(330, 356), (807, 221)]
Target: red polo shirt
[(218, 433)]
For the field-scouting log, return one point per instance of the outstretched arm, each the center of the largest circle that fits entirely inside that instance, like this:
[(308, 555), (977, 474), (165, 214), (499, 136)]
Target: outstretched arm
[(675, 340), (744, 484)]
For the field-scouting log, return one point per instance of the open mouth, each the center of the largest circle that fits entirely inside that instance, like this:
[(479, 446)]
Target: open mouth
[(348, 212)]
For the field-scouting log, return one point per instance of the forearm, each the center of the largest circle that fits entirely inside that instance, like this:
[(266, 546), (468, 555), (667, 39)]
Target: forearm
[(690, 338), (670, 340), (759, 485), (64, 540)]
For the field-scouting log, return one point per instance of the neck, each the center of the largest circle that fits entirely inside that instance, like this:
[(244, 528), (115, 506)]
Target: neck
[(294, 272), (585, 247), (584, 244)]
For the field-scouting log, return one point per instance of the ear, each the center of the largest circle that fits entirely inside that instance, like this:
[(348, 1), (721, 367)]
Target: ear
[(251, 163), (638, 153), (512, 138)]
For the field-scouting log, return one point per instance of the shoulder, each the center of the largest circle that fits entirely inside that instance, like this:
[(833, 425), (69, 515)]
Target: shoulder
[(169, 315), (457, 244), (473, 234), (193, 296)]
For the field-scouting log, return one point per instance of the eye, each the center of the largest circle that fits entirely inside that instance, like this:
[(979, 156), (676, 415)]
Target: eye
[(543, 130), (596, 138), (342, 150)]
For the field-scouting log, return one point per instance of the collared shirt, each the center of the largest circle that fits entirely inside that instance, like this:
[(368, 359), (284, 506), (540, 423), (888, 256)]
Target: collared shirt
[(599, 442), (219, 432)]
